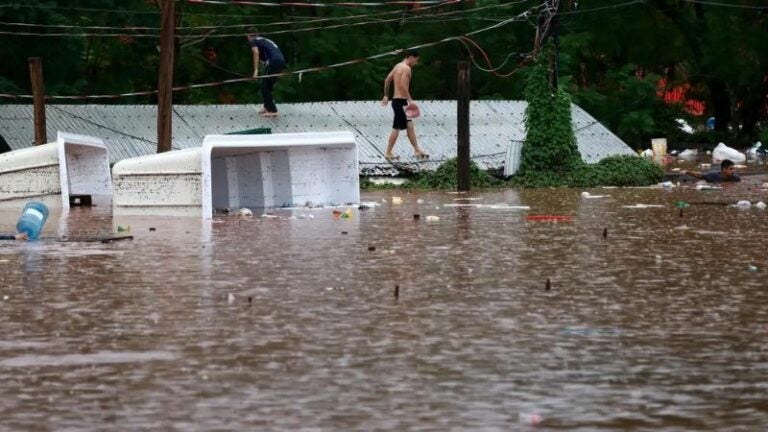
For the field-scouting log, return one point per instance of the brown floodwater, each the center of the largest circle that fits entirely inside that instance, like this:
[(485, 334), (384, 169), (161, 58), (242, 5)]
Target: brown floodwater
[(653, 321)]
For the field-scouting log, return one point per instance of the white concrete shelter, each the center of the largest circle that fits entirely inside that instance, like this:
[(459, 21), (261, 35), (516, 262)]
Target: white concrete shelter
[(236, 171), (73, 165)]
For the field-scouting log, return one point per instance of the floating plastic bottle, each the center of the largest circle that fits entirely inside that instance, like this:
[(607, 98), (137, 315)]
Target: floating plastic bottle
[(32, 219)]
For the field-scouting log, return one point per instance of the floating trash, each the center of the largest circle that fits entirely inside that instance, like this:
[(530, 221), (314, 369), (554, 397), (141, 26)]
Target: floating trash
[(706, 187), (751, 268), (761, 205), (507, 207), (397, 200), (432, 218), (590, 196), (549, 218), (245, 212), (532, 419), (368, 205), (643, 206), (744, 204), (682, 204)]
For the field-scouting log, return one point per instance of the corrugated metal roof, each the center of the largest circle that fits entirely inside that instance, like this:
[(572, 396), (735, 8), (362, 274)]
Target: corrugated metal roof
[(130, 130)]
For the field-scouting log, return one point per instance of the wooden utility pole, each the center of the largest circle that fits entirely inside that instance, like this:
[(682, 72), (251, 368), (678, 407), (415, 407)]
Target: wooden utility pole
[(38, 98), (165, 77), (462, 127)]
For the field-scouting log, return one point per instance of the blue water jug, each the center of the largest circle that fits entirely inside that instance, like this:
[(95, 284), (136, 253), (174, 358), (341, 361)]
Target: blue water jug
[(32, 219)]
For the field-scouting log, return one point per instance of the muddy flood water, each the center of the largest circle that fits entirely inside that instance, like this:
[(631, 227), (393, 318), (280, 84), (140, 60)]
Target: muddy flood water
[(653, 321)]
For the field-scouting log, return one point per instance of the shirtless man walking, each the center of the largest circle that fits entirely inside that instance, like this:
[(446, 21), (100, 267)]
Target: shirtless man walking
[(401, 75)]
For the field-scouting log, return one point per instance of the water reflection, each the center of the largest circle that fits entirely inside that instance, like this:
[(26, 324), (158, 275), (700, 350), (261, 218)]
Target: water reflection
[(660, 324)]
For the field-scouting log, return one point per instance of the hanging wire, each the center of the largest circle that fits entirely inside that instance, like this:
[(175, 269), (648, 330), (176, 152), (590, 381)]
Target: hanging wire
[(517, 18), (213, 35)]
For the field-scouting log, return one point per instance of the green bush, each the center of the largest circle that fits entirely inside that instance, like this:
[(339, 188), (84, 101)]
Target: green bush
[(618, 171), (445, 177), (611, 171), (550, 156), (550, 144), (367, 184)]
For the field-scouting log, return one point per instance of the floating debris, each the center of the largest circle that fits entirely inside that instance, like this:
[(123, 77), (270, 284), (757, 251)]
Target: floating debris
[(642, 206), (587, 195), (706, 187), (368, 205), (549, 218)]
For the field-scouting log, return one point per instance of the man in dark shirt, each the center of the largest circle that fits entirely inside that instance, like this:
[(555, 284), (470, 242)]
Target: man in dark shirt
[(267, 52), (727, 173)]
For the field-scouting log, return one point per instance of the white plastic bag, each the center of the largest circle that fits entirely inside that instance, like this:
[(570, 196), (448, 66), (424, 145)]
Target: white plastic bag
[(688, 154), (723, 152), (752, 153)]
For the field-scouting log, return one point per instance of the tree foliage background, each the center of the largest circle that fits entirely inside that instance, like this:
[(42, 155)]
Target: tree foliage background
[(612, 53)]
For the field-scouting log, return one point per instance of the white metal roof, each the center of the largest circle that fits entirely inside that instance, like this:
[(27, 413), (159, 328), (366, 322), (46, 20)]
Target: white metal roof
[(130, 130)]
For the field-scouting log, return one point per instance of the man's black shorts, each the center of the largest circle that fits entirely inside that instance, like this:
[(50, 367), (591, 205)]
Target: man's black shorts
[(401, 121)]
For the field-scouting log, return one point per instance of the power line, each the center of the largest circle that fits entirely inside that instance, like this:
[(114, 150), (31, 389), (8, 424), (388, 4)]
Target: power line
[(117, 11), (322, 5), (517, 18), (436, 4), (227, 35), (601, 8), (491, 69), (363, 23), (728, 5)]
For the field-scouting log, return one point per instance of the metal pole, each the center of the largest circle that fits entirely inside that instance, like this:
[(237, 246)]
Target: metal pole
[(462, 127), (38, 97), (165, 77)]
